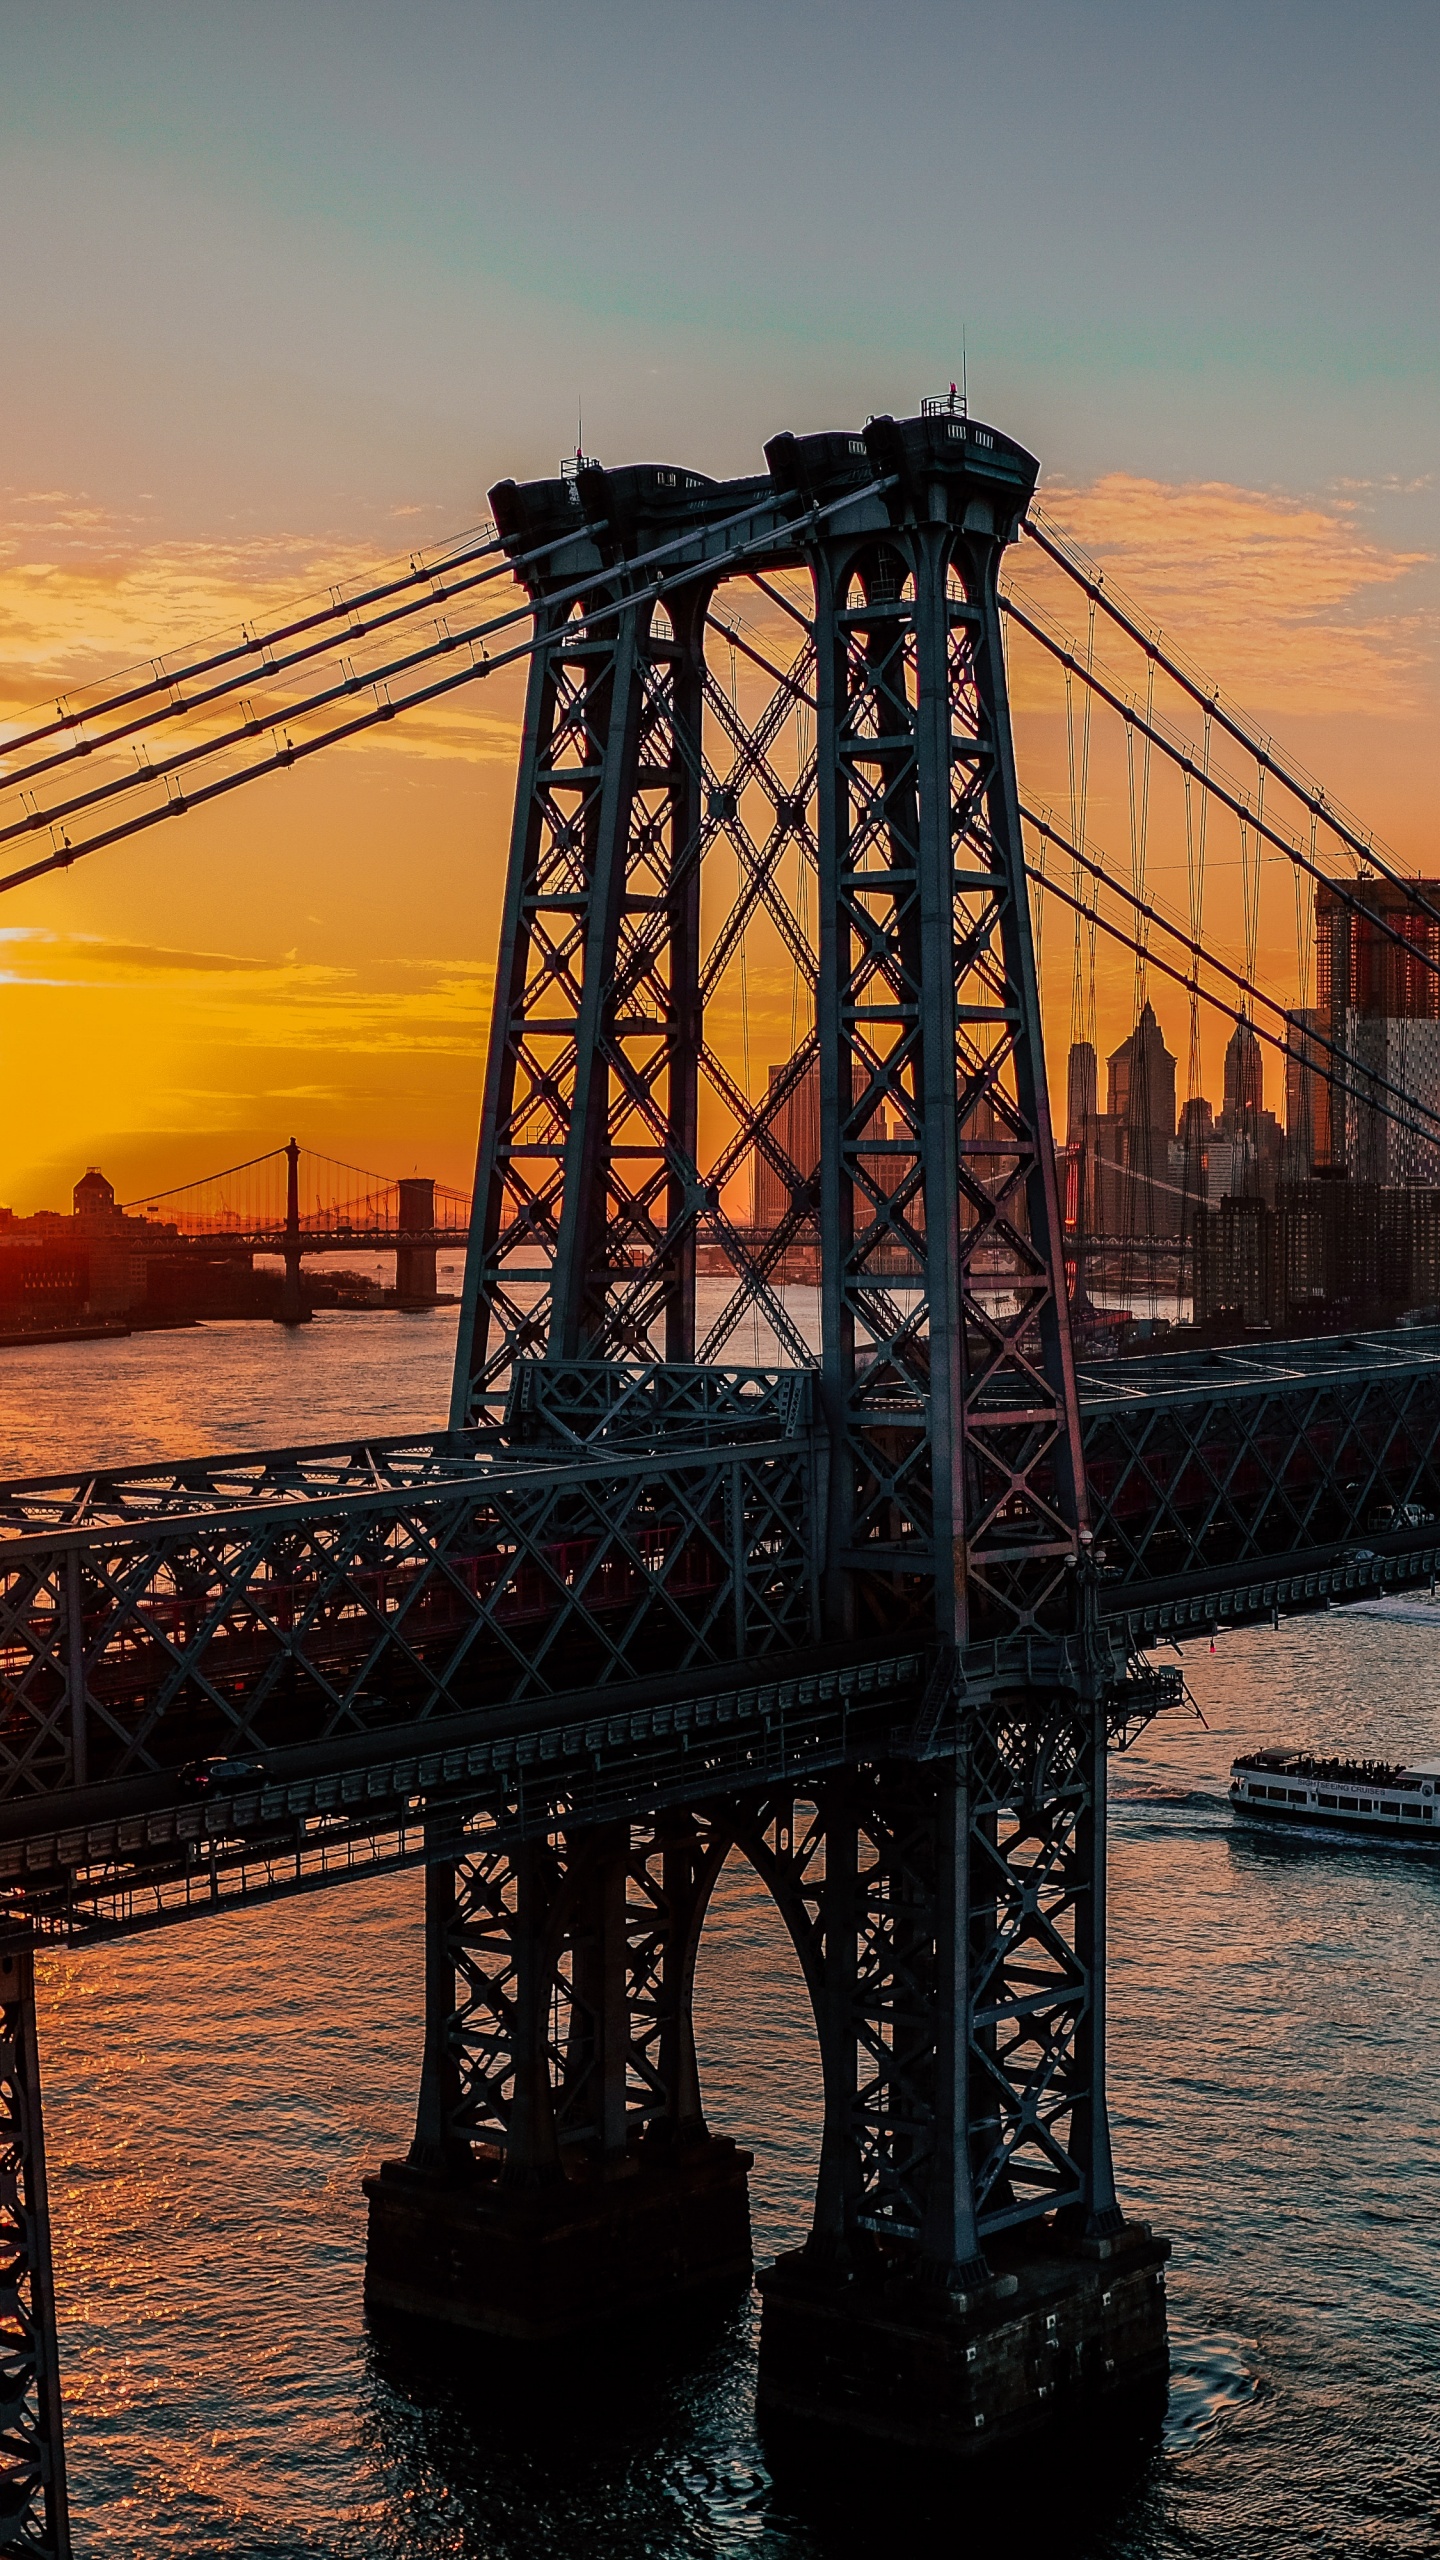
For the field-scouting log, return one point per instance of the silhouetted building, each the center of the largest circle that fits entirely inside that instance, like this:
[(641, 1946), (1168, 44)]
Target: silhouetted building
[(1133, 1193), (1142, 1079), (1307, 1094), (1245, 1157), (795, 1127), (1377, 958), (1082, 1091), (1244, 1080), (93, 1196), (1392, 1061), (1329, 1251), (1234, 1248)]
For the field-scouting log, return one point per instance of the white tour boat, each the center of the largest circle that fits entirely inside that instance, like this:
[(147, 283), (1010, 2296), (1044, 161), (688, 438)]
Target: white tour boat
[(1372, 1796)]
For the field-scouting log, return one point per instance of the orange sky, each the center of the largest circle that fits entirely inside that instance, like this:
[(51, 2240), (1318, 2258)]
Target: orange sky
[(315, 954)]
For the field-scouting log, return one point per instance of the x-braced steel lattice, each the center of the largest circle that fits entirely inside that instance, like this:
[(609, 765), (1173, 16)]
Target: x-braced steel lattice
[(33, 2513), (559, 1996)]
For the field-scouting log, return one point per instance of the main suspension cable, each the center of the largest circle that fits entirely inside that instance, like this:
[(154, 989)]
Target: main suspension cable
[(414, 607), (1370, 1077), (1090, 578), (253, 644), (1183, 756), (544, 634)]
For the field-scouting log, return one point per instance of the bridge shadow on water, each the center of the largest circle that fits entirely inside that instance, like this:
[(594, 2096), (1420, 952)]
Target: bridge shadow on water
[(645, 2443)]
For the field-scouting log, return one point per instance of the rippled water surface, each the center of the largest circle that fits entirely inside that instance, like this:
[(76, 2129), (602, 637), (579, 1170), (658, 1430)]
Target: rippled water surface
[(214, 2096)]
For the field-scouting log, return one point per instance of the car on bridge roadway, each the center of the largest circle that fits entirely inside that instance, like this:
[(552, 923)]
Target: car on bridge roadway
[(218, 1771)]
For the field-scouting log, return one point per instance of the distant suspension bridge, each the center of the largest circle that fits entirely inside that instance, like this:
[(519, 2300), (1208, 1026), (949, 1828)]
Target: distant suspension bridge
[(292, 1197), (292, 1201)]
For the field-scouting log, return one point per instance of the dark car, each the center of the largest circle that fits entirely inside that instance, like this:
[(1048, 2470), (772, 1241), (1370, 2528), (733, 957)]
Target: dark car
[(241, 1771)]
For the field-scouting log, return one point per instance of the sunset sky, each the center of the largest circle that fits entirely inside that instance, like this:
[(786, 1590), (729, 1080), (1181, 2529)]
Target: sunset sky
[(286, 288)]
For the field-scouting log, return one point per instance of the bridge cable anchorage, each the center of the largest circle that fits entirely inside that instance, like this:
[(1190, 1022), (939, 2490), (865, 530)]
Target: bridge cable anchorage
[(624, 605)]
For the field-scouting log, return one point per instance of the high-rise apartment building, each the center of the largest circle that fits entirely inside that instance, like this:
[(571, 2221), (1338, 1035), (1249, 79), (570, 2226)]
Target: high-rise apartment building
[(1377, 955)]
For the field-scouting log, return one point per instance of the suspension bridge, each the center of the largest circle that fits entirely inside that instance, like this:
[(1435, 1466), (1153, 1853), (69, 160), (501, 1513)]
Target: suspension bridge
[(295, 1195), (291, 1201), (859, 1576)]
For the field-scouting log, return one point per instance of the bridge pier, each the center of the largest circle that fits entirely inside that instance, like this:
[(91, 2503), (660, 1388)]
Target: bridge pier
[(416, 1274), (1058, 2331), (969, 2277), (562, 2174)]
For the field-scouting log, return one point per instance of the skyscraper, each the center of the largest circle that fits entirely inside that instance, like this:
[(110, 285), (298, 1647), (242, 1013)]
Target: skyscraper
[(1307, 1094), (1244, 1081), (1142, 1080), (1135, 1196), (1377, 966), (1082, 1091)]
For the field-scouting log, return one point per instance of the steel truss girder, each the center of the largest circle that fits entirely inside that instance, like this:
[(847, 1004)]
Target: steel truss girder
[(1189, 1487), (138, 1649), (261, 1606)]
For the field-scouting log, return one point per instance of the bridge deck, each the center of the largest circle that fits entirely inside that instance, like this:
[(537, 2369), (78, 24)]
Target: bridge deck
[(620, 1592)]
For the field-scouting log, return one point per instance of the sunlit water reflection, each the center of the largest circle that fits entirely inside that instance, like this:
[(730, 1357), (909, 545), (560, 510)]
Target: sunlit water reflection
[(215, 2095)]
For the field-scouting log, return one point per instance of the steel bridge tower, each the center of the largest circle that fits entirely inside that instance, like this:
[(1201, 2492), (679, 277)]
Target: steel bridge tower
[(969, 2274)]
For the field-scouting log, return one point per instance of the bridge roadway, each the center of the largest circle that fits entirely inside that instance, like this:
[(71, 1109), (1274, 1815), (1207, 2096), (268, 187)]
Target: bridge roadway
[(610, 1601), (268, 1237)]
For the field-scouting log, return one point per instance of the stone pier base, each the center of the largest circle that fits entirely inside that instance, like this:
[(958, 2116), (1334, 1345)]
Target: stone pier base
[(538, 2263), (1061, 2333)]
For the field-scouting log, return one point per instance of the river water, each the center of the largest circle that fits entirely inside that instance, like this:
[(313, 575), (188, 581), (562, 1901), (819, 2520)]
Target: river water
[(214, 2095)]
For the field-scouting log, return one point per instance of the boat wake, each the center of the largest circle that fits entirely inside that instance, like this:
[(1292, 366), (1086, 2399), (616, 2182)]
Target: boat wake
[(1211, 2381)]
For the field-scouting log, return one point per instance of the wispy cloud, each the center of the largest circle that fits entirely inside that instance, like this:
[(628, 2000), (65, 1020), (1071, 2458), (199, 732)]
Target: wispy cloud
[(93, 959), (85, 596), (1284, 600), (387, 1007), (90, 953)]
